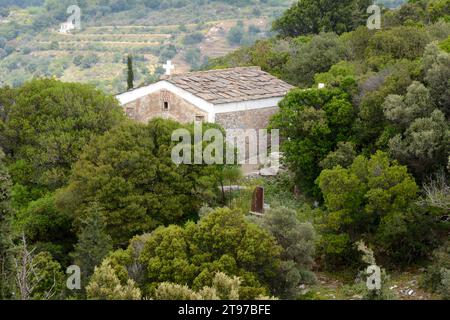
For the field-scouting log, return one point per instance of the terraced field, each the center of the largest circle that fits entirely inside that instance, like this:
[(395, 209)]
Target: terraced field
[(97, 53)]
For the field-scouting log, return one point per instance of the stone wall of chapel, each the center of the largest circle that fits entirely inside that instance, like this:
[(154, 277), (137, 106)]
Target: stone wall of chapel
[(153, 106), (249, 119)]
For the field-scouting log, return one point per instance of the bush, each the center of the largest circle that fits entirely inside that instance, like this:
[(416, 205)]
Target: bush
[(106, 285), (437, 275), (298, 242), (374, 200), (222, 241)]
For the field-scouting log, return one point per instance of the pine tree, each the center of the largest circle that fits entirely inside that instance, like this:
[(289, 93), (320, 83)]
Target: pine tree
[(93, 243), (130, 73)]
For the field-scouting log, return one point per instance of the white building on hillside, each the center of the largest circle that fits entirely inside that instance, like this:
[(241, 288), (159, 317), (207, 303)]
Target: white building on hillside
[(66, 27)]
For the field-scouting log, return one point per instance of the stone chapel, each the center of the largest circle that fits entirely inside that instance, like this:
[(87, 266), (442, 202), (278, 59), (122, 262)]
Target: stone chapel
[(237, 98)]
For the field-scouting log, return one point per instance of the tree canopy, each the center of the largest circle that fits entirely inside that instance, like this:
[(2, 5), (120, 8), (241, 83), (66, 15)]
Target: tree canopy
[(311, 17), (130, 175), (44, 126), (222, 241)]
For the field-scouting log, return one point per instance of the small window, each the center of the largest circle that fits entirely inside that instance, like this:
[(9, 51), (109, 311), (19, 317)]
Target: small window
[(130, 112), (166, 106), (200, 118)]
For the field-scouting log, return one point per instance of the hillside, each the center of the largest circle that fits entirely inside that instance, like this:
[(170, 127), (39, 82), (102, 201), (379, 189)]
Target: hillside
[(359, 209), (189, 35)]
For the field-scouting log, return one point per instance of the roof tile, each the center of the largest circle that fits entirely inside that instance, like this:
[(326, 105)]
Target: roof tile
[(231, 85)]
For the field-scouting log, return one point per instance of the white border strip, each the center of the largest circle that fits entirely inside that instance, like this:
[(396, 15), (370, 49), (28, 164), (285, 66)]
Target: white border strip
[(247, 105)]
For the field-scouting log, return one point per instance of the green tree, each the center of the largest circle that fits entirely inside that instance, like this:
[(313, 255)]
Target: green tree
[(312, 122), (373, 200), (5, 231), (46, 124), (425, 145), (436, 277), (47, 228), (371, 126), (313, 56), (298, 242), (106, 285), (344, 156), (223, 288), (93, 244), (437, 68), (397, 43), (404, 110), (130, 74), (341, 75), (222, 241), (309, 16), (130, 174)]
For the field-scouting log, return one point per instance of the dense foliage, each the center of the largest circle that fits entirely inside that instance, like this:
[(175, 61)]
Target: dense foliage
[(221, 241), (384, 108), (5, 232), (130, 175), (373, 200), (366, 159), (312, 17), (44, 126), (314, 121)]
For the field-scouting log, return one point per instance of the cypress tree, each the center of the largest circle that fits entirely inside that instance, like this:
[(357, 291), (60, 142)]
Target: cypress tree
[(130, 79)]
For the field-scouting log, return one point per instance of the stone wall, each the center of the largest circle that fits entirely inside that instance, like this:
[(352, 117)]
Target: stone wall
[(250, 119), (153, 106)]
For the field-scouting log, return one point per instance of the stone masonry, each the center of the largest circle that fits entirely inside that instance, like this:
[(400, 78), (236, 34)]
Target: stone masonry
[(153, 106)]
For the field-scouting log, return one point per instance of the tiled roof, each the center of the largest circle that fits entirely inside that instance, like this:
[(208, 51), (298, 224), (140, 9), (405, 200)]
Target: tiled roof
[(231, 85)]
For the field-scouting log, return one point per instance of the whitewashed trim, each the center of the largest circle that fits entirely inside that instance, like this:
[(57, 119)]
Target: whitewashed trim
[(139, 93), (202, 104), (247, 105)]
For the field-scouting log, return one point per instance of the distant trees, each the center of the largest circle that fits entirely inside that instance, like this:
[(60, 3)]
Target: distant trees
[(130, 74), (236, 34), (311, 17), (193, 38), (193, 57)]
